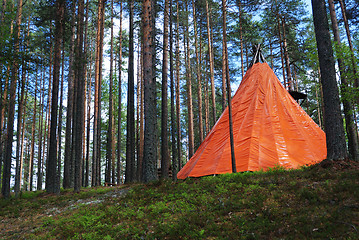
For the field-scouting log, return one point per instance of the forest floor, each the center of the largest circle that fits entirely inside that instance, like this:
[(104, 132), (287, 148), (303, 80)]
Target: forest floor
[(317, 202)]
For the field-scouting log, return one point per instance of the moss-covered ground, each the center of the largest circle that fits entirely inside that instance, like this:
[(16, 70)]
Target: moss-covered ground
[(309, 203)]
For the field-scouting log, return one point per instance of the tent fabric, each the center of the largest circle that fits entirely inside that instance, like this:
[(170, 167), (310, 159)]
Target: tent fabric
[(269, 127)]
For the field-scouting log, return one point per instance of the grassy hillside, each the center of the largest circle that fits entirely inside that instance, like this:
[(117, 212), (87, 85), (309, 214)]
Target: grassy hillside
[(310, 203)]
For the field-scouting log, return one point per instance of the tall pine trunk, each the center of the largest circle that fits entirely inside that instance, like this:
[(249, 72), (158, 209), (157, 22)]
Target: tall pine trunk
[(348, 108), (110, 130), (5, 188), (189, 89), (199, 83), (149, 78), (172, 87), (130, 140), (119, 163), (286, 58), (334, 129), (211, 65), (68, 159), (178, 103), (51, 170), (347, 30), (164, 117), (96, 166)]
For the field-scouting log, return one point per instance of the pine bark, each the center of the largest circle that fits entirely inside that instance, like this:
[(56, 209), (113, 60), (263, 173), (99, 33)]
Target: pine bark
[(352, 134), (347, 30), (5, 188), (286, 58), (199, 83), (19, 129), (149, 77), (164, 117), (178, 103), (189, 90), (211, 65), (68, 160), (51, 170), (110, 130), (224, 14), (334, 129), (79, 94), (241, 35), (130, 140), (119, 164), (172, 89), (96, 168)]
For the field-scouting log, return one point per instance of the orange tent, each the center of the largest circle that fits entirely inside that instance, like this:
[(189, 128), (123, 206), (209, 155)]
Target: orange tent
[(269, 127)]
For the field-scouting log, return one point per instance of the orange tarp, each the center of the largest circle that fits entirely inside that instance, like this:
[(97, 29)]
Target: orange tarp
[(269, 127)]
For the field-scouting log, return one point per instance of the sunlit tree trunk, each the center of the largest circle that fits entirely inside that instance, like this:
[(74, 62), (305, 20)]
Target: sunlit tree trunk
[(59, 126), (334, 129), (150, 139), (5, 188), (348, 108), (286, 58), (96, 166), (110, 130), (51, 170), (211, 64), (241, 35), (199, 84), (178, 103), (224, 14), (189, 90), (130, 139), (173, 122), (164, 117), (347, 30), (19, 127), (119, 164)]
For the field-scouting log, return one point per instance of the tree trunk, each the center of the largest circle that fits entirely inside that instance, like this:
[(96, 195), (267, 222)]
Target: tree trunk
[(68, 160), (19, 128), (165, 161), (59, 127), (142, 119), (348, 108), (40, 144), (224, 67), (96, 166), (119, 164), (149, 77), (173, 123), (347, 30), (51, 170), (211, 64), (332, 115), (178, 101), (110, 130), (241, 35), (5, 188), (286, 58), (199, 84), (224, 14), (130, 141), (79, 94), (281, 52), (189, 91)]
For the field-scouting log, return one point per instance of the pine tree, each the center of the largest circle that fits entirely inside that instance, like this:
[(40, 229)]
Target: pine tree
[(332, 114)]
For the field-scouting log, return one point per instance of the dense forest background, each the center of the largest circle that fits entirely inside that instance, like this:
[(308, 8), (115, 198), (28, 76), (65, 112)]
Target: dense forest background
[(96, 92)]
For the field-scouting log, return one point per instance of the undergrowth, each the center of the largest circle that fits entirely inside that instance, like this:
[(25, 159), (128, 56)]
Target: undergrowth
[(312, 202)]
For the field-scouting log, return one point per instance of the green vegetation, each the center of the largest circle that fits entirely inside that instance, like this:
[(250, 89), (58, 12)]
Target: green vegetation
[(310, 203)]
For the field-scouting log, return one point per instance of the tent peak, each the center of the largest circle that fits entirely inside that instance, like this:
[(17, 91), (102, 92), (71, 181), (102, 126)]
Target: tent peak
[(258, 56)]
